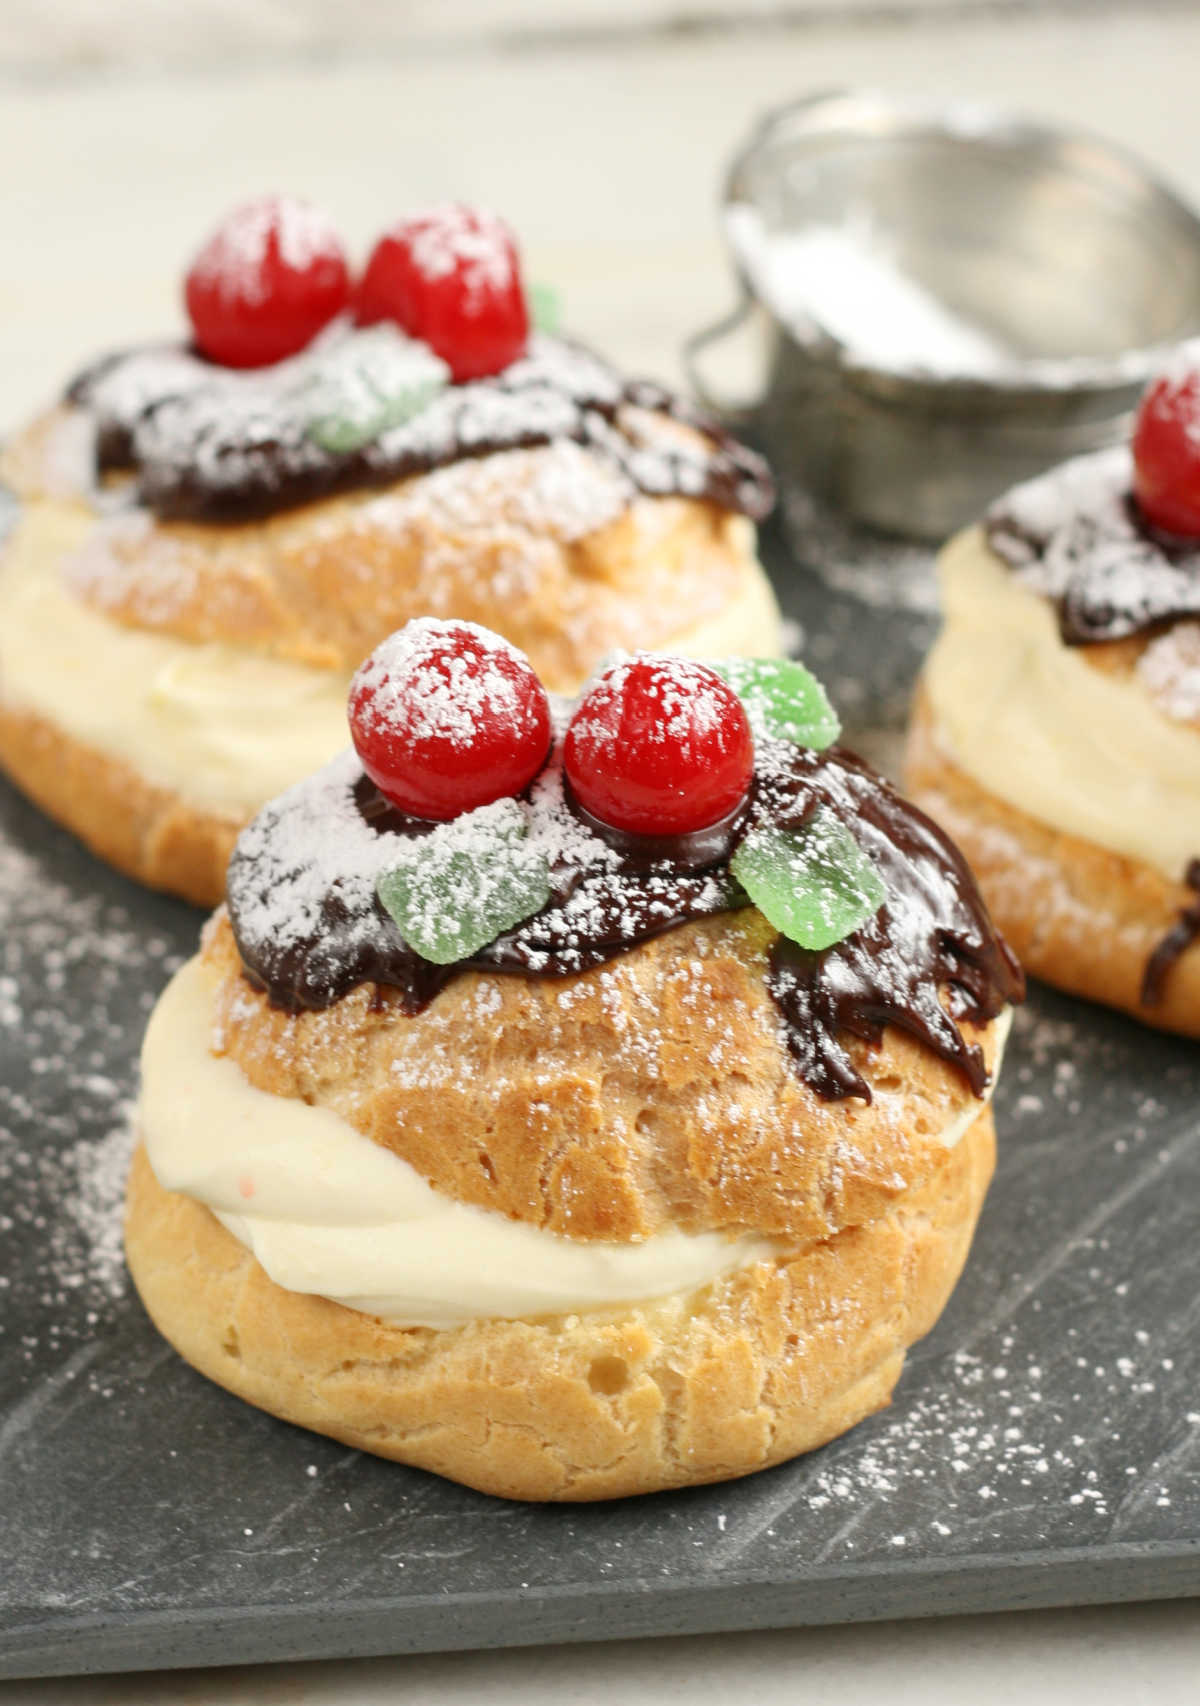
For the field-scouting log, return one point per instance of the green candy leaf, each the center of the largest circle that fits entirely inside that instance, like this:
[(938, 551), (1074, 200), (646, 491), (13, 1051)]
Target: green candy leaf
[(456, 889), (782, 699), (545, 307), (814, 884), (372, 380)]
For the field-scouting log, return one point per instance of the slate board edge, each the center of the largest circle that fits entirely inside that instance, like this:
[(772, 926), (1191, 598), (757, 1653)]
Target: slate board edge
[(874, 1593)]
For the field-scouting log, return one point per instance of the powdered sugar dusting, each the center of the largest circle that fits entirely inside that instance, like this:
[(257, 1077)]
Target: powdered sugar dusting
[(218, 443), (96, 1171), (312, 830), (1040, 508), (233, 260), (366, 383), (988, 1436), (472, 242), (884, 574), (1074, 535), (683, 703), (68, 458), (415, 686), (455, 889), (562, 491), (314, 839), (120, 388), (1170, 670), (1178, 386), (845, 282)]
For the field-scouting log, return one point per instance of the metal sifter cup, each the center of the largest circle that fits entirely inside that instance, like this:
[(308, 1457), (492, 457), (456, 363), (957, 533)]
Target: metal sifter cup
[(1049, 274)]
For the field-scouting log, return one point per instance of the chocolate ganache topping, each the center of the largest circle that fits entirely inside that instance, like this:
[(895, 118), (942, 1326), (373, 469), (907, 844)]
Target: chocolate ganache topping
[(216, 444), (1174, 944), (1076, 536), (310, 926)]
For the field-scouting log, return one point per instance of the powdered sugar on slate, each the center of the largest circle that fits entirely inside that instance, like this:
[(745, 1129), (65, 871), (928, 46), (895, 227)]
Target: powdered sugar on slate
[(68, 959), (885, 574)]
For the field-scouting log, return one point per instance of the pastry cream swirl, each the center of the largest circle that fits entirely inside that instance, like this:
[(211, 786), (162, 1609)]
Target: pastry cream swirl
[(327, 1211), (1033, 722)]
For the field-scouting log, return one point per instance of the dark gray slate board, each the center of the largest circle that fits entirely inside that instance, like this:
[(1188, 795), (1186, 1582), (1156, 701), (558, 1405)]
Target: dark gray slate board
[(1043, 1447)]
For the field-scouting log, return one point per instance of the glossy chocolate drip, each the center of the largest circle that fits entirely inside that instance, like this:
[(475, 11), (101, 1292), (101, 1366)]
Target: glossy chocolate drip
[(932, 933), (1113, 574), (211, 444), (694, 850), (1174, 945)]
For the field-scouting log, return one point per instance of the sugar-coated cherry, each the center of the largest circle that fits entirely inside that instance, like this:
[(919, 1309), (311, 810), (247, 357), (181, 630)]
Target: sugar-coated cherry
[(450, 277), (270, 276), (447, 716), (1166, 452), (659, 746)]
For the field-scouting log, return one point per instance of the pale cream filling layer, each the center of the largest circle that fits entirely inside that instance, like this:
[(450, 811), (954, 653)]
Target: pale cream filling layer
[(226, 729), (326, 1211), (1034, 723)]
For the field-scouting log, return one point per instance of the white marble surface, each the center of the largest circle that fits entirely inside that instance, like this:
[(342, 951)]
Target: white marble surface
[(86, 35), (606, 158)]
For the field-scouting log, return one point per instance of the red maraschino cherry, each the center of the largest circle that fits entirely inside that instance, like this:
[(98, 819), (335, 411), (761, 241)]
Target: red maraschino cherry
[(446, 716), (659, 746), (269, 278), (450, 277), (1166, 452)]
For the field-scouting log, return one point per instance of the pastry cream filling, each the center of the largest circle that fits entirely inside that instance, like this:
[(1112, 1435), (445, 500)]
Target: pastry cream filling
[(1033, 722), (225, 728), (327, 1211)]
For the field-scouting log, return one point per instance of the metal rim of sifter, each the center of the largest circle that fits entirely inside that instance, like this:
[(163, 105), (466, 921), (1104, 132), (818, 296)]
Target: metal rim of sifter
[(828, 113)]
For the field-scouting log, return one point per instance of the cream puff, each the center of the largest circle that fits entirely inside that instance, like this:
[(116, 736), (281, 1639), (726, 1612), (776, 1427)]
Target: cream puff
[(211, 537), (573, 1099), (1056, 731)]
